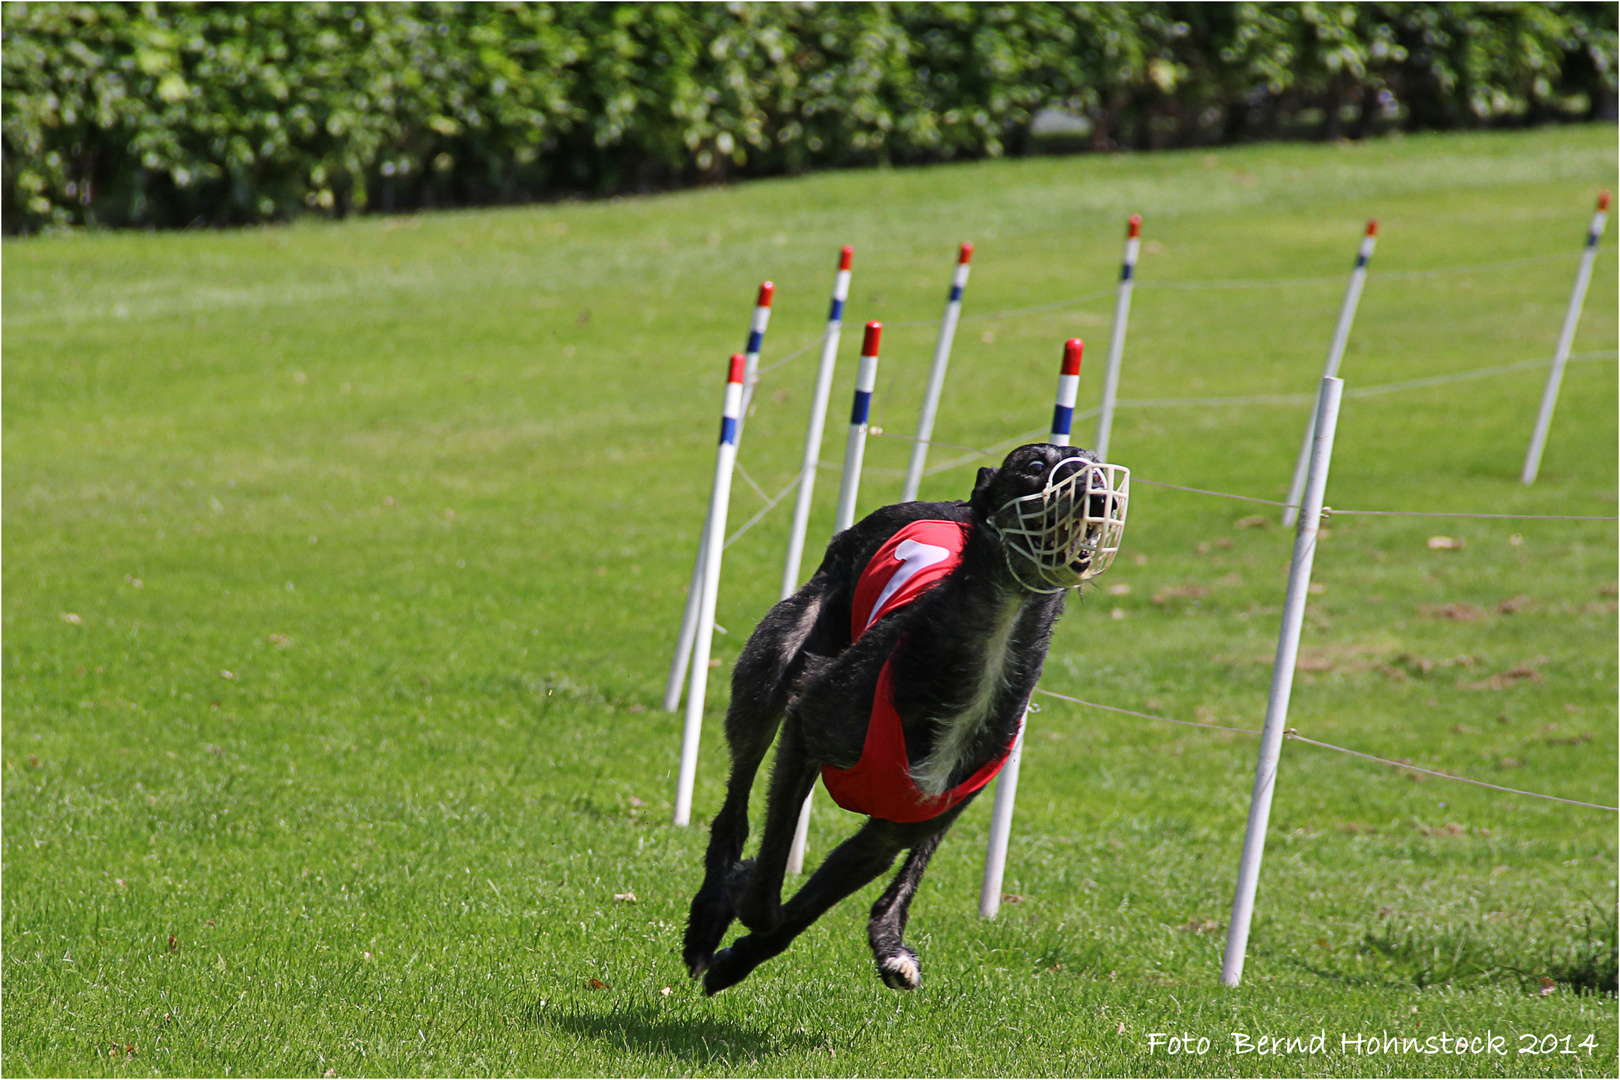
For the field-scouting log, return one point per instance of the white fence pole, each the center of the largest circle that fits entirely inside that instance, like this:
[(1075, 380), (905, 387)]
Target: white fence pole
[(1566, 339), (1282, 680), (936, 375), (1116, 343), (689, 614), (995, 855), (1341, 334), (683, 641), (725, 459), (818, 423), (801, 836), (848, 489)]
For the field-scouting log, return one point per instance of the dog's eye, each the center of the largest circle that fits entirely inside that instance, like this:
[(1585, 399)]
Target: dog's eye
[(1035, 468)]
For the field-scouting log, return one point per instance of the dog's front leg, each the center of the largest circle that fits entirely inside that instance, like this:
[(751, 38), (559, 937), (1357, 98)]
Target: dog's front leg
[(749, 731), (759, 694), (851, 865), (792, 777), (897, 965)]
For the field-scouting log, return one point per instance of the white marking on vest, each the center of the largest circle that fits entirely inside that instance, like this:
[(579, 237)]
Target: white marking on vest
[(914, 558)]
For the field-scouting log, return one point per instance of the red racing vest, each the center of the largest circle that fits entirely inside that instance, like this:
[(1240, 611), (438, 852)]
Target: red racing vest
[(911, 562)]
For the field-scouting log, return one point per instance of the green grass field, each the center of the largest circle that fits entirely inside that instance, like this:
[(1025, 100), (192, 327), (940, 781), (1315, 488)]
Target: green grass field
[(342, 565)]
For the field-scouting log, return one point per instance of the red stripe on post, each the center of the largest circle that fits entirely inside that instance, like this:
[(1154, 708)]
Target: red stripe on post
[(1372, 226), (1136, 226), (1071, 355), (845, 257), (1603, 200), (967, 254), (874, 334), (739, 364), (766, 291)]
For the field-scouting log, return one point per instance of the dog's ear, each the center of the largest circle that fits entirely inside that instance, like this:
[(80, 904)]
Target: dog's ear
[(980, 499)]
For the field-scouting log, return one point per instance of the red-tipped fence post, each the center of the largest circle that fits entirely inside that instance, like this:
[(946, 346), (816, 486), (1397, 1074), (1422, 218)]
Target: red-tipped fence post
[(725, 460), (1566, 340)]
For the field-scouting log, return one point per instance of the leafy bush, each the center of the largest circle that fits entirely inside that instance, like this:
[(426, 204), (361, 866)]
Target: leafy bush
[(176, 114)]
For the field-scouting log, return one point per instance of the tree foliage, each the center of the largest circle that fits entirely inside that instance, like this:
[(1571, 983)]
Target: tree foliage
[(174, 114)]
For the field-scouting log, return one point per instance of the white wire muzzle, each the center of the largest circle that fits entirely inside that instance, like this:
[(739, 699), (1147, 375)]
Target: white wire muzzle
[(1068, 532)]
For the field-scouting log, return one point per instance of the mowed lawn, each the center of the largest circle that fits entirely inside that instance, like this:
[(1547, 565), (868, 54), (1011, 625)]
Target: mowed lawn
[(343, 562)]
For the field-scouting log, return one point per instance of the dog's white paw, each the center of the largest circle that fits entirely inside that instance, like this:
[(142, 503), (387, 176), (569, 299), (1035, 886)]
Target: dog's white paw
[(901, 971)]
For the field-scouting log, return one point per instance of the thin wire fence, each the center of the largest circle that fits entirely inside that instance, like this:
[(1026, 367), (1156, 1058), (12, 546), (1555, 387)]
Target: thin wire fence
[(1259, 399), (1217, 494), (1366, 391), (970, 454), (1289, 733), (1478, 373), (1228, 283), (1338, 279), (752, 482), (1328, 511), (1293, 734), (1244, 283), (770, 504)]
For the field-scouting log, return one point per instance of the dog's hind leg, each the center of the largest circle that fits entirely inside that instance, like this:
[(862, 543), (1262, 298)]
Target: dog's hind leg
[(758, 699), (792, 777), (851, 865), (897, 965)]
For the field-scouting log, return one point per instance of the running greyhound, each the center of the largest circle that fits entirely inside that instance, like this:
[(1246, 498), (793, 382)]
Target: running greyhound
[(903, 671)]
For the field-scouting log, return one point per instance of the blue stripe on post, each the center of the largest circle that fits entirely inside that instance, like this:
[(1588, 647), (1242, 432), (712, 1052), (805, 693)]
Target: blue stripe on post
[(1361, 261), (1592, 238), (1062, 419), (755, 338), (1127, 272), (863, 404), (956, 294), (728, 429), (837, 312)]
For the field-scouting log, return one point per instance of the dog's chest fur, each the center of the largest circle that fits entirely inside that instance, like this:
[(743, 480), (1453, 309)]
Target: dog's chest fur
[(963, 658), (956, 733), (965, 666)]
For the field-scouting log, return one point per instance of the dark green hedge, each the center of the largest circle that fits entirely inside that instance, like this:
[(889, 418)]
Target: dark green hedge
[(175, 114)]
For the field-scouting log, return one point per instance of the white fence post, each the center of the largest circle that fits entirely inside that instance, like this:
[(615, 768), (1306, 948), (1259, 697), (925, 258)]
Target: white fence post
[(689, 614), (848, 489), (818, 423), (1282, 680), (936, 375), (1116, 343), (1341, 334), (1566, 339), (725, 459), (995, 855), (683, 640)]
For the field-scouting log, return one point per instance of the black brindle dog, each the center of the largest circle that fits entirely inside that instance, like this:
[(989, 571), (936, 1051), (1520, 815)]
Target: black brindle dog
[(959, 662)]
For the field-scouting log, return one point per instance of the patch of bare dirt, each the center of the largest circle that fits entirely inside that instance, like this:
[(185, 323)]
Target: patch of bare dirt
[(1523, 673)]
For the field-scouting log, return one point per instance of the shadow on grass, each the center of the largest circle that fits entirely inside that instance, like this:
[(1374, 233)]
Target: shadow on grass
[(1460, 955), (1467, 954), (649, 1030)]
